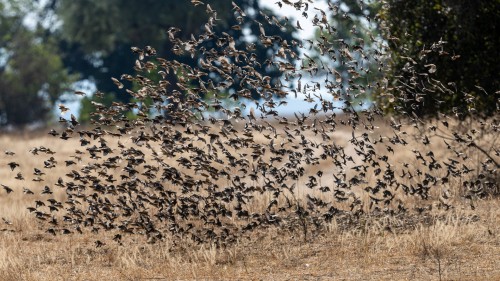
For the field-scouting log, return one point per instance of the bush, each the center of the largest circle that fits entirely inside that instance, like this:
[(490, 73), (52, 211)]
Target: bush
[(464, 55)]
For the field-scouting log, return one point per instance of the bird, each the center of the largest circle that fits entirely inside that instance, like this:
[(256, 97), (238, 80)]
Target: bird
[(27, 191), (13, 165), (298, 26), (63, 108), (206, 144), (7, 189)]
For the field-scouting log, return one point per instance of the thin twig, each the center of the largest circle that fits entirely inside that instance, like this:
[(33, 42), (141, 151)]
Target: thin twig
[(484, 152)]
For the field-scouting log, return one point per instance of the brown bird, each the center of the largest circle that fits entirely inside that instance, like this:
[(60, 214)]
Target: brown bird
[(199, 145), (7, 189), (27, 191), (117, 83), (19, 176), (63, 108), (13, 165), (79, 93), (197, 2)]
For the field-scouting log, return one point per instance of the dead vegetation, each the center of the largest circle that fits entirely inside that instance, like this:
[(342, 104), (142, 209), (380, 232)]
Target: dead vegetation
[(458, 245), (190, 187), (455, 244)]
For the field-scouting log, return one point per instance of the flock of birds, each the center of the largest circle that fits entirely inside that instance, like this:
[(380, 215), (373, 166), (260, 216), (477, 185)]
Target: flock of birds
[(190, 164)]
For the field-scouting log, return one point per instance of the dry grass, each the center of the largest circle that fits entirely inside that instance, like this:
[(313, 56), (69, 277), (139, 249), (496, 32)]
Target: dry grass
[(462, 245), (459, 244)]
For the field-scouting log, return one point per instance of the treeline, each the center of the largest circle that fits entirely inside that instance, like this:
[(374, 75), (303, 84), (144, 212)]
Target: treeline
[(463, 37), (47, 46)]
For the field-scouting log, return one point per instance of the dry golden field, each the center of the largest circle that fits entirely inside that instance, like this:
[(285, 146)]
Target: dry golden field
[(455, 244)]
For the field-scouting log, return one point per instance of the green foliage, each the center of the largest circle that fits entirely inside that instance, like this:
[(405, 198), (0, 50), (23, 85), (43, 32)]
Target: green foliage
[(104, 25), (353, 28), (463, 38), (32, 75), (96, 36), (88, 106)]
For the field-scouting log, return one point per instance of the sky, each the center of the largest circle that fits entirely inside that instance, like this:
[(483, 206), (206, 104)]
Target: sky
[(291, 12), (297, 104)]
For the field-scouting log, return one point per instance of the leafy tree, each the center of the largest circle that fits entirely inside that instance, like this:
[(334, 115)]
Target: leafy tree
[(97, 36), (32, 75), (354, 30), (463, 40)]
